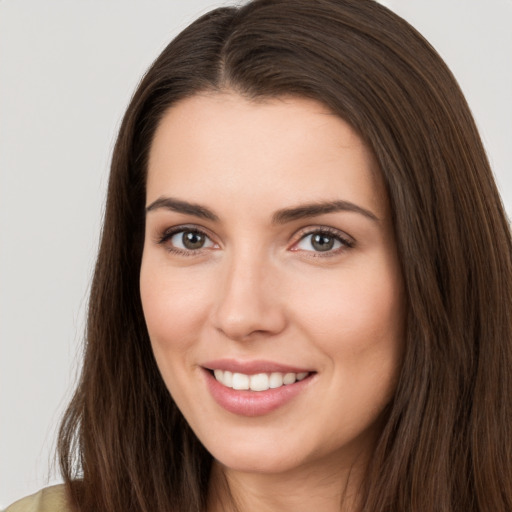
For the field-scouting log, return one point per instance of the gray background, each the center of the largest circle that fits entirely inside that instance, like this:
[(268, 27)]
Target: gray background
[(67, 71)]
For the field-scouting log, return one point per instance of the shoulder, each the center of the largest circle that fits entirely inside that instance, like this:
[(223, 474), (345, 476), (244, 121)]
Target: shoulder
[(50, 499)]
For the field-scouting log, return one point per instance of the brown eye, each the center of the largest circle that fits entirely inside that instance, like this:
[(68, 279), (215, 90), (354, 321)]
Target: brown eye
[(187, 240), (193, 240), (322, 242)]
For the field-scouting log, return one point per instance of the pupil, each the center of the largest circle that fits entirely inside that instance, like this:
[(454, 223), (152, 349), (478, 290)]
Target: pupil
[(322, 242), (193, 240)]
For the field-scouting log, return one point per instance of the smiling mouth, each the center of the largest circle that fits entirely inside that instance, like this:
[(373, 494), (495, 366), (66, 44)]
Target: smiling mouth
[(258, 381)]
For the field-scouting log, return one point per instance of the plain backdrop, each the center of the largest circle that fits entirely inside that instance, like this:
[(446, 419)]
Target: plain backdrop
[(67, 71)]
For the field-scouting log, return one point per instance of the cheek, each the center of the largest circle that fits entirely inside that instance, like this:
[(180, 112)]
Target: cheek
[(354, 305), (174, 305), (357, 321), (174, 310)]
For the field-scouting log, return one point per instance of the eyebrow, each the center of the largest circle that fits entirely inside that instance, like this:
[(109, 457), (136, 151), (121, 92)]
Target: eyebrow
[(320, 208), (185, 207), (280, 216)]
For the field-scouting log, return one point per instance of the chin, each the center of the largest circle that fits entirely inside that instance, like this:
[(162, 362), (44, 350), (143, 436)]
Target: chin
[(258, 462)]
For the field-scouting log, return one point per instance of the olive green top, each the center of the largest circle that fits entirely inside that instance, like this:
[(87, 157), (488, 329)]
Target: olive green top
[(51, 499)]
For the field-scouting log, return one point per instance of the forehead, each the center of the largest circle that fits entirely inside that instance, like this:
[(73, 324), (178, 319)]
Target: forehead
[(220, 146)]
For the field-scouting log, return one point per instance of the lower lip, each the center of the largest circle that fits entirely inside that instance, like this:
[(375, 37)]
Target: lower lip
[(253, 403)]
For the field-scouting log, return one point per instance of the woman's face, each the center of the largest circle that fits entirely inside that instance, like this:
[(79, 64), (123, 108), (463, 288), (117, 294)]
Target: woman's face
[(270, 264)]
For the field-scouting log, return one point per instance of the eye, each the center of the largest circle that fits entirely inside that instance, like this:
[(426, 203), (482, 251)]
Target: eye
[(323, 241), (186, 240)]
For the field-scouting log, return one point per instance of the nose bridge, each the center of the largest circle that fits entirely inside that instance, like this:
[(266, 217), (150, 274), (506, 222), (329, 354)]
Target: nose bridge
[(247, 302)]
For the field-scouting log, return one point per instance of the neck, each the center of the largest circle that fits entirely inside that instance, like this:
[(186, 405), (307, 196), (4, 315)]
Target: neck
[(330, 489)]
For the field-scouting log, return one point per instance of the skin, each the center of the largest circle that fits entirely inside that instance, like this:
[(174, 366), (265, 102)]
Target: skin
[(261, 290)]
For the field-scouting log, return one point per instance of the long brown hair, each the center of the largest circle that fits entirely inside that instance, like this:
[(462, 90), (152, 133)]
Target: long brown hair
[(447, 441)]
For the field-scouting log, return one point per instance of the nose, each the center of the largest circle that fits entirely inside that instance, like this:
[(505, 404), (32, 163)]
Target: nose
[(249, 304)]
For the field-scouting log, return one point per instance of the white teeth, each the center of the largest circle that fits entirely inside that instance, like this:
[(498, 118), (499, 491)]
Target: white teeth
[(258, 381), (276, 380), (289, 378), (228, 379), (240, 381)]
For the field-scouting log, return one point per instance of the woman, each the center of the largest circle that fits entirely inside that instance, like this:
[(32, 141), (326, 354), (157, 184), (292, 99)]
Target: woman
[(302, 294)]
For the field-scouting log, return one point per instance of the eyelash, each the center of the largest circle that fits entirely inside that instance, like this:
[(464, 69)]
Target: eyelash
[(346, 242), (168, 234)]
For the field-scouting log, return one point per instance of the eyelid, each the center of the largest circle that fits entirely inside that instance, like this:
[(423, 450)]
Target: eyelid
[(346, 240), (164, 236)]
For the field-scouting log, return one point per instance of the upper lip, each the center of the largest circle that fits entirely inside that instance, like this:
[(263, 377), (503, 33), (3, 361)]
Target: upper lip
[(252, 367)]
